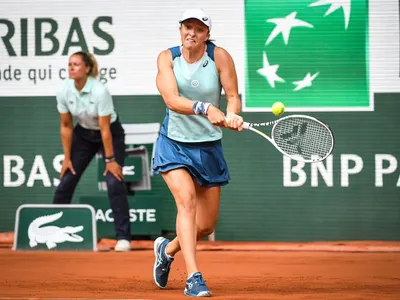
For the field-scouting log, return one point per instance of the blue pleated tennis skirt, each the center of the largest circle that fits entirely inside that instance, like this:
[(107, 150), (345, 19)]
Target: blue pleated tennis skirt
[(205, 160)]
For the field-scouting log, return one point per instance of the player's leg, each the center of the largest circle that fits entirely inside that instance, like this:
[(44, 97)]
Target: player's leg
[(82, 152), (208, 191), (208, 200), (207, 204), (117, 195), (207, 207), (182, 187), (197, 164)]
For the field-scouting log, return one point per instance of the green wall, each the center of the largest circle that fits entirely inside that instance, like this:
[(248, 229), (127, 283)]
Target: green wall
[(255, 205)]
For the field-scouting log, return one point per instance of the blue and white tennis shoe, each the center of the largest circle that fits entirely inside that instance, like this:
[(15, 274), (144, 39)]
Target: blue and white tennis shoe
[(162, 262), (196, 286)]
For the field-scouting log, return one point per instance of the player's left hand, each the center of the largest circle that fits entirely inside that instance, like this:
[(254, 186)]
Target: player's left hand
[(115, 169), (234, 121)]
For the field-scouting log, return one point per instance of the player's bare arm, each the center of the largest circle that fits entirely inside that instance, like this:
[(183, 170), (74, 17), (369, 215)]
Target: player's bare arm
[(166, 84)]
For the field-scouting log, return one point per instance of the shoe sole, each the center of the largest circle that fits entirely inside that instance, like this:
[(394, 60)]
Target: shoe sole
[(201, 294), (157, 243)]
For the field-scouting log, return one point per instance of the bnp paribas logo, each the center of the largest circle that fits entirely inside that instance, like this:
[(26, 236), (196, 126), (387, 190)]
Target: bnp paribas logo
[(310, 54)]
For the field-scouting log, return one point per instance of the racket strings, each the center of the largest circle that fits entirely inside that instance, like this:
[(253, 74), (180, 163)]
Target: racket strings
[(303, 137)]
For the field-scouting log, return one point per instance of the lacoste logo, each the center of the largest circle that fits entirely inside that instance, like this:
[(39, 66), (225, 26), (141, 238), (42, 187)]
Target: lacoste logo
[(52, 235), (128, 170)]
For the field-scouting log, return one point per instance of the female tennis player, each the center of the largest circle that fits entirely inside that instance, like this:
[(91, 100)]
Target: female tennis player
[(189, 154)]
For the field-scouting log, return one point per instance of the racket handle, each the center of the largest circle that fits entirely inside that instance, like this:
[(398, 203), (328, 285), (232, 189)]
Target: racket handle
[(245, 125)]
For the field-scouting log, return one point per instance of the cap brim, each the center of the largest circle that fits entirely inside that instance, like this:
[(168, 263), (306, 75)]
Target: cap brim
[(181, 21)]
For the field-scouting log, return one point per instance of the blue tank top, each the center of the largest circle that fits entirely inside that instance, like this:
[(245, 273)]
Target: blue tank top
[(198, 82)]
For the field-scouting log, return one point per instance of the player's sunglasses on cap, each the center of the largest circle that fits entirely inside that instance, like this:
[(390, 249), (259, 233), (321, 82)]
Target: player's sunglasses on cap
[(198, 14)]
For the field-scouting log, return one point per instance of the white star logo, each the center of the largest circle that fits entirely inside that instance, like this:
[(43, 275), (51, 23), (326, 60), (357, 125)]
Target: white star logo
[(335, 5), (306, 82), (269, 72), (284, 26)]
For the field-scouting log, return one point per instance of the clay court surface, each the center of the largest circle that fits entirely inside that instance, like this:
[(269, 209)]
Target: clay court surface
[(261, 274)]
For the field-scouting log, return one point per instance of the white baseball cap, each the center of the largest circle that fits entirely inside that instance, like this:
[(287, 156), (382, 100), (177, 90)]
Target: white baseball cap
[(198, 14)]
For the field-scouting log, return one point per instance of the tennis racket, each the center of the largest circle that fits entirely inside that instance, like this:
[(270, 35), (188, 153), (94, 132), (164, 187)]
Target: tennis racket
[(302, 138)]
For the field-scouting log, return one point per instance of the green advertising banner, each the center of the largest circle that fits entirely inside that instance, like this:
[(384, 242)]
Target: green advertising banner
[(310, 55)]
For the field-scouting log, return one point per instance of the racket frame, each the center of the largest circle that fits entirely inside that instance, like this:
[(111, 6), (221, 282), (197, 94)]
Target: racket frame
[(250, 126)]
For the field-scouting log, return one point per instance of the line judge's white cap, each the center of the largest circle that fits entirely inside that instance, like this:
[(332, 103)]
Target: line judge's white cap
[(198, 14)]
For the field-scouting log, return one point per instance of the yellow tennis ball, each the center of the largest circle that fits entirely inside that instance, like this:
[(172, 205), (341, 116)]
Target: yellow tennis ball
[(278, 108)]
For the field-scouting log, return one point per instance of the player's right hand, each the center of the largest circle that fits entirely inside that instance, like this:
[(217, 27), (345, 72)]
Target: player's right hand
[(216, 116), (234, 121), (67, 165)]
